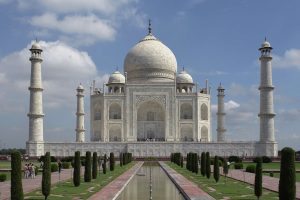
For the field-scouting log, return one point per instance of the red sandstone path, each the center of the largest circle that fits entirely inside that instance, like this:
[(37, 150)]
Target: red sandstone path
[(114, 188), (269, 183), (33, 184), (189, 189)]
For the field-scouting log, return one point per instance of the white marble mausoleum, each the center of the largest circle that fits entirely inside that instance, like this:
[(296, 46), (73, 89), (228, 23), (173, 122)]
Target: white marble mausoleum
[(153, 109)]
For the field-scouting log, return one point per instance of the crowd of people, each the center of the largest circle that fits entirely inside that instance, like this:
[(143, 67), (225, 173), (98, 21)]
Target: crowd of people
[(29, 171)]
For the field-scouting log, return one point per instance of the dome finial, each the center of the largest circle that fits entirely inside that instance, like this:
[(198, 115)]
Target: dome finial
[(117, 68), (182, 68), (149, 27), (265, 38)]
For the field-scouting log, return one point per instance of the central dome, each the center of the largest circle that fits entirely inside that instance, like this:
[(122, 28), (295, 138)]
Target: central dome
[(151, 61)]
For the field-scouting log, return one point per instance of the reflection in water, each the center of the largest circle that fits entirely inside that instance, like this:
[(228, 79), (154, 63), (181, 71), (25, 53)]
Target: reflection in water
[(139, 187)]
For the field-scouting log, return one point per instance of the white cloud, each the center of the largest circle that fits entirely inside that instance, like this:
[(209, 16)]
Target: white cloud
[(77, 26), (231, 105), (290, 59), (63, 68)]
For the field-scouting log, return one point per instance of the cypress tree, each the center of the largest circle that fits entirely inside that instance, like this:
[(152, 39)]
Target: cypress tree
[(95, 165), (203, 165), (121, 159), (76, 172), (46, 176), (16, 189), (216, 169), (287, 181), (87, 167), (225, 168), (181, 161), (258, 178), (207, 167), (187, 161), (111, 161), (196, 164), (104, 164)]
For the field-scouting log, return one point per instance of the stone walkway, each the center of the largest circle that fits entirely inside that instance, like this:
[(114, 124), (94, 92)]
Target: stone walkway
[(189, 189), (114, 188), (269, 183), (33, 184)]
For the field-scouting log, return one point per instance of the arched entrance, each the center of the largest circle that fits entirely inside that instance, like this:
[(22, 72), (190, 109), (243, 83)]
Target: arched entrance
[(150, 122)]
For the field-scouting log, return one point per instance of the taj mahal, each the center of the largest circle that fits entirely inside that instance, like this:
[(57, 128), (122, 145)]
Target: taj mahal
[(152, 109)]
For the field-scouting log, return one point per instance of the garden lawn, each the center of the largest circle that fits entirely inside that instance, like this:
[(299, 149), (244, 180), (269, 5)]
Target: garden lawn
[(272, 165), (231, 189), (277, 175), (67, 191)]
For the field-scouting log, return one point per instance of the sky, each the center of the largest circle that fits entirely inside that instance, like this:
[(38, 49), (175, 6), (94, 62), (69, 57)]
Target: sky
[(87, 40)]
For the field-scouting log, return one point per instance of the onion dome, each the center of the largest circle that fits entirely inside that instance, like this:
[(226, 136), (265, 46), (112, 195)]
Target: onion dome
[(116, 77), (150, 60), (36, 46), (184, 77), (80, 87)]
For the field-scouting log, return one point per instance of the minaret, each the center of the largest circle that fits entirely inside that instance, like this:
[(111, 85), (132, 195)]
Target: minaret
[(266, 88), (36, 114), (221, 115), (80, 115)]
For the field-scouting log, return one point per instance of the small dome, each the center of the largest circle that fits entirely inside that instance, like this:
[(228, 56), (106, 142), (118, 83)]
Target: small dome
[(116, 77), (220, 87), (80, 87), (265, 44), (184, 77), (150, 60), (36, 45)]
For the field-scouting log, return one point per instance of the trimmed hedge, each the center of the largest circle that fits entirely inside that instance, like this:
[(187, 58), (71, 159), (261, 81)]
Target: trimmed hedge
[(3, 177), (76, 172), (207, 167), (87, 167), (235, 159), (238, 166), (203, 165), (46, 177), (266, 159), (111, 161), (66, 165), (216, 169), (258, 179), (250, 168), (54, 167), (95, 165), (287, 181), (16, 189)]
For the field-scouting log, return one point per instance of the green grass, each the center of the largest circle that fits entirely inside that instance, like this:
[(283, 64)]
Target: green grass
[(232, 189), (67, 191), (277, 175), (7, 164), (273, 165)]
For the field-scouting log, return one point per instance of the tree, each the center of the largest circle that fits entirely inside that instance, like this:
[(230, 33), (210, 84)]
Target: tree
[(46, 177), (87, 167), (181, 161), (76, 172), (111, 161), (287, 181), (95, 164), (216, 169), (104, 164), (207, 167), (203, 165), (258, 178), (121, 159), (196, 163), (16, 189), (225, 168)]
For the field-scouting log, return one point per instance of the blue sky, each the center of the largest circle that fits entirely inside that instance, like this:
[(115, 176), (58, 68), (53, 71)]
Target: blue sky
[(86, 40)]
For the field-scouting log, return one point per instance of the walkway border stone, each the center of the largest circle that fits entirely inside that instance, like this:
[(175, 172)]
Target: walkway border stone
[(187, 188), (114, 188)]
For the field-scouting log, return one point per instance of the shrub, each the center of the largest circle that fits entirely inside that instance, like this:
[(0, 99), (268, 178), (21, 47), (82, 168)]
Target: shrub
[(46, 177), (238, 166), (266, 159), (54, 167), (258, 179), (67, 159), (76, 172), (3, 177), (271, 174), (111, 161), (207, 167), (235, 159), (181, 162), (203, 165), (121, 159), (104, 163), (250, 168), (95, 166), (287, 181), (36, 170), (256, 159), (196, 163), (216, 169), (87, 167), (66, 165), (16, 189)]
